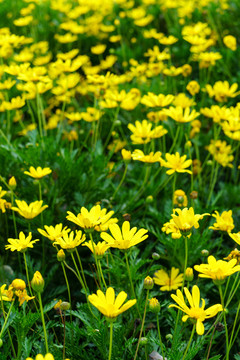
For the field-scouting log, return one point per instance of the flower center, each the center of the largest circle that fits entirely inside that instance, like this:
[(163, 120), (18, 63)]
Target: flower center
[(197, 313)]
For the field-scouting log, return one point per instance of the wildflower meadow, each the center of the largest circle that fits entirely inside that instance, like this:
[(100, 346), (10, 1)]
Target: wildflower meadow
[(119, 180)]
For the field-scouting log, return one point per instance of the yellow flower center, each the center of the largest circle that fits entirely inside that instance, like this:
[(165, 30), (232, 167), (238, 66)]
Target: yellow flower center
[(197, 313)]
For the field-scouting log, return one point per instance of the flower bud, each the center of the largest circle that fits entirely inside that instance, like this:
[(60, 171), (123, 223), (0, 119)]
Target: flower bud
[(149, 199), (154, 305), (12, 183), (61, 255), (205, 252), (18, 284), (37, 282), (194, 195), (189, 274), (148, 283), (155, 256), (1, 343), (169, 336), (65, 306), (126, 154), (143, 341)]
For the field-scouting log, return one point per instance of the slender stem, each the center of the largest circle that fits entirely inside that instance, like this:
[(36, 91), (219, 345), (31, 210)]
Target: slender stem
[(43, 321), (96, 260), (110, 341), (189, 343), (186, 259), (100, 268), (129, 275), (143, 321), (225, 321), (68, 289), (79, 275), (81, 267), (121, 182), (64, 334), (29, 283), (234, 325), (174, 187), (6, 319), (213, 184), (160, 338)]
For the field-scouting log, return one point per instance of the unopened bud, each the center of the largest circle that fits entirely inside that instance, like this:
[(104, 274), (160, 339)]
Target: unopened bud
[(143, 341), (65, 306), (189, 274), (1, 343), (154, 305), (12, 183), (205, 252), (18, 284), (194, 195), (148, 283), (61, 255), (37, 282), (155, 256), (149, 199)]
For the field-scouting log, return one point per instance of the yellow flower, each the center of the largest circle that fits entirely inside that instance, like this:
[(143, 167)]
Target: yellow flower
[(68, 242), (235, 237), (98, 49), (150, 158), (143, 133), (21, 244), (53, 233), (185, 219), (108, 305), (193, 87), (180, 198), (181, 115), (168, 283), (230, 42), (224, 221), (221, 90), (154, 305), (96, 218), (194, 312), (18, 284), (126, 154), (171, 228), (42, 357), (126, 238), (234, 254), (38, 173), (29, 211), (23, 296), (6, 295), (176, 163), (153, 100), (217, 270), (99, 249)]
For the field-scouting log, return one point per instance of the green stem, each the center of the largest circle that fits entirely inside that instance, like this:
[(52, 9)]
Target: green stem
[(186, 259), (81, 267), (121, 182), (225, 321), (174, 187), (68, 289), (234, 326), (6, 319), (143, 321), (100, 268), (129, 275), (189, 343), (96, 260), (78, 273), (213, 184), (160, 338), (110, 341), (43, 321)]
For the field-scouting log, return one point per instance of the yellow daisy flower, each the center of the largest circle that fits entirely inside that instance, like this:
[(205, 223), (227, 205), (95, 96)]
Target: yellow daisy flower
[(99, 249), (69, 242), (21, 244), (53, 233), (29, 211), (217, 270), (185, 219), (224, 221), (126, 238), (176, 163), (108, 305), (38, 173), (168, 282), (194, 312)]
